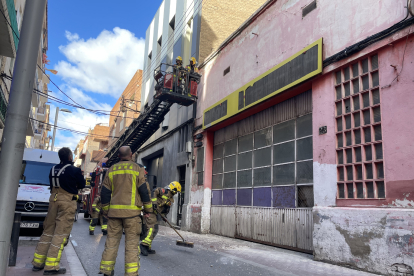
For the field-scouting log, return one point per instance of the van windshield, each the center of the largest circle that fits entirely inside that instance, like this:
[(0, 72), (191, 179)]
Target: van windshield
[(35, 172)]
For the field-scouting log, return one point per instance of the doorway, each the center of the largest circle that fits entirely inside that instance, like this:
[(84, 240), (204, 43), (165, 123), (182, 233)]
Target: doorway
[(181, 180)]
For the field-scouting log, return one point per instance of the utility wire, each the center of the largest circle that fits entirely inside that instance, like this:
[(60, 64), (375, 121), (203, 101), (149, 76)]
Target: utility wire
[(71, 130)]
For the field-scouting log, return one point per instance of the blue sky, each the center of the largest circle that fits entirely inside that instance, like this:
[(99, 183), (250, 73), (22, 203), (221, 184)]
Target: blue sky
[(96, 46)]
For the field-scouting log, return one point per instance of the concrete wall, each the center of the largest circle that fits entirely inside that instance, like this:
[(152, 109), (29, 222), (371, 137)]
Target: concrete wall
[(370, 234), (378, 239)]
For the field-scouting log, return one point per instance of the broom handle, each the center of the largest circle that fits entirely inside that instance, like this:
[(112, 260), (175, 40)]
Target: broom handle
[(172, 227)]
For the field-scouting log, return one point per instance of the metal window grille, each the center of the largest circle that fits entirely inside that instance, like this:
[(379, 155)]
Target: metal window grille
[(271, 155), (359, 135)]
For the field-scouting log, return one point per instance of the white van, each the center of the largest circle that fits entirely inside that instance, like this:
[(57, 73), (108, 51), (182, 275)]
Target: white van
[(34, 188)]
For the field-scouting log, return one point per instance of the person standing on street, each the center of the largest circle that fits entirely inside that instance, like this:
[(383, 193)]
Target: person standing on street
[(96, 211), (162, 198), (65, 181), (125, 190)]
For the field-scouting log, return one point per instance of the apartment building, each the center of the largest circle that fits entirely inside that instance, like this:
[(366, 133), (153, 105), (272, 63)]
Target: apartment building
[(126, 109), (187, 29), (37, 128), (92, 149)]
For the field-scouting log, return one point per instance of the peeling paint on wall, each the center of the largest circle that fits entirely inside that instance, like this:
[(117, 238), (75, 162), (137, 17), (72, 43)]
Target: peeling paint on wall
[(371, 239)]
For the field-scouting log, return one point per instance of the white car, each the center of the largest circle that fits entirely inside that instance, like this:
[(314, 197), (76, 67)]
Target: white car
[(34, 188)]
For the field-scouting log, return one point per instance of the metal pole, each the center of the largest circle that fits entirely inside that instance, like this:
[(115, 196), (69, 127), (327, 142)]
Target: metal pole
[(17, 117), (15, 239), (54, 128)]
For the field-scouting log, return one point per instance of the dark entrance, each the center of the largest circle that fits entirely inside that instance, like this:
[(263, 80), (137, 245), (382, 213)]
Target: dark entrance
[(181, 177)]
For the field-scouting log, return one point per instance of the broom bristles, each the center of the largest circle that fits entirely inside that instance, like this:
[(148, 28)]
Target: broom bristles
[(185, 244)]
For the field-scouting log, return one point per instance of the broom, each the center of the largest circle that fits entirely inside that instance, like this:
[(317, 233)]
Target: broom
[(178, 242)]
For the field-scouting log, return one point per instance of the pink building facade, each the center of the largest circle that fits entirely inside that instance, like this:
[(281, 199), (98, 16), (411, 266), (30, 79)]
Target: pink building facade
[(323, 162)]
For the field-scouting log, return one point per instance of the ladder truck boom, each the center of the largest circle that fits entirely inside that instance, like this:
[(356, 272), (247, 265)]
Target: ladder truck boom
[(173, 85)]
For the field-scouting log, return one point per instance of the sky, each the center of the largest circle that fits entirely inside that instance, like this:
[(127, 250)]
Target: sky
[(96, 47)]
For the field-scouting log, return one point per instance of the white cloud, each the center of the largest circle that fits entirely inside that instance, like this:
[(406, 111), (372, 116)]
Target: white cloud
[(104, 64), (70, 36)]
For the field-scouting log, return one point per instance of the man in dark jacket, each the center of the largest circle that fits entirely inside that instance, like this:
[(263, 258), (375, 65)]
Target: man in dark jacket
[(65, 181)]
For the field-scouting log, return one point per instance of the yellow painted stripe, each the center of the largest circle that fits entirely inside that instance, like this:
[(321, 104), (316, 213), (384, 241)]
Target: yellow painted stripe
[(233, 98)]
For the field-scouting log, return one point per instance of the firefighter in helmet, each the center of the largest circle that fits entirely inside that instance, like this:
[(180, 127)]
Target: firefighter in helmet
[(192, 67), (162, 199), (178, 78)]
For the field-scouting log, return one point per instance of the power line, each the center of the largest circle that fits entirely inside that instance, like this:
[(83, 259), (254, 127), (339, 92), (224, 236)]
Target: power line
[(71, 130)]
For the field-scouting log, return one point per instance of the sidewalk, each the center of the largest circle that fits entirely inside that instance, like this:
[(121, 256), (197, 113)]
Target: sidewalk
[(276, 260), (27, 246)]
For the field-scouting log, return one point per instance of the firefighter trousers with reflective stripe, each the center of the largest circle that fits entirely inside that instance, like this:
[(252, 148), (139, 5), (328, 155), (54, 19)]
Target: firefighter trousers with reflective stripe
[(132, 228), (94, 221), (151, 221), (56, 230)]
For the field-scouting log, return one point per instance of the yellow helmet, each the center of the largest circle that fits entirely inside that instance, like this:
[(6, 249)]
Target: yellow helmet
[(179, 58), (175, 187), (193, 60)]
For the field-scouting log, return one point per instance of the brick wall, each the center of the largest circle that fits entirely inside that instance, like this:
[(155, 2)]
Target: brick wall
[(220, 19), (132, 99)]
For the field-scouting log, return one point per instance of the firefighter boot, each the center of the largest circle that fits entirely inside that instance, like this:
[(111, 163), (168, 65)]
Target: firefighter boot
[(144, 249), (38, 268), (55, 272), (151, 251), (104, 232), (112, 274)]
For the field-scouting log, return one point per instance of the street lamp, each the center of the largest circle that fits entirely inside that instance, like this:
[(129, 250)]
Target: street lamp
[(56, 119)]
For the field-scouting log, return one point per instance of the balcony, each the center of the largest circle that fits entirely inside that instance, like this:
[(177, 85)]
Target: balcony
[(38, 133), (8, 40), (41, 113), (30, 125)]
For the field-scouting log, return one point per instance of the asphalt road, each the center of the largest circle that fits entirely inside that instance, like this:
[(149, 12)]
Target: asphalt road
[(169, 260)]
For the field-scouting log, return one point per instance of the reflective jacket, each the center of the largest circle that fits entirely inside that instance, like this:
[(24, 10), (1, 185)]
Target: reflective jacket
[(163, 198), (125, 190), (97, 204)]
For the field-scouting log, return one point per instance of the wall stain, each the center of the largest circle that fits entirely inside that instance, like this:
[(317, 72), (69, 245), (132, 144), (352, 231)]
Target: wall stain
[(358, 244)]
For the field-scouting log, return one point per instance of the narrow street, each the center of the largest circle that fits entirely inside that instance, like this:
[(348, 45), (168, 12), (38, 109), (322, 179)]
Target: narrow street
[(212, 255)]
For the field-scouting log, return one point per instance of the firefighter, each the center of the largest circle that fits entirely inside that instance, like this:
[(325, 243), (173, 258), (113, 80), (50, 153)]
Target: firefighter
[(65, 181), (124, 192), (178, 78), (162, 198), (96, 211), (192, 67)]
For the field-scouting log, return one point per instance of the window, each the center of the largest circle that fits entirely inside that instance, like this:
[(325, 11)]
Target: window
[(359, 152), (270, 167)]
